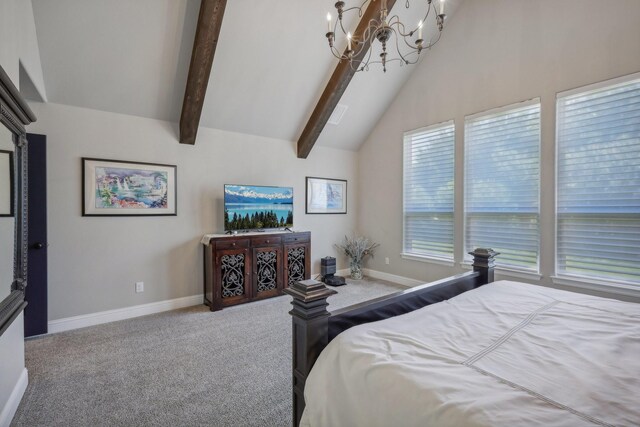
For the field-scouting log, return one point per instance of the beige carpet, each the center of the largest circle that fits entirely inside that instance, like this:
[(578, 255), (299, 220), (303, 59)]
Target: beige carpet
[(187, 367)]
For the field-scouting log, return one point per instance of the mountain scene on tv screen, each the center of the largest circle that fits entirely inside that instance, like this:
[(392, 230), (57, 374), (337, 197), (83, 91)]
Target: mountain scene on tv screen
[(253, 207)]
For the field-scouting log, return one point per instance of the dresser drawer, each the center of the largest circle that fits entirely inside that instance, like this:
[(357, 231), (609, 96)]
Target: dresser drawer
[(232, 244), (266, 241), (297, 238)]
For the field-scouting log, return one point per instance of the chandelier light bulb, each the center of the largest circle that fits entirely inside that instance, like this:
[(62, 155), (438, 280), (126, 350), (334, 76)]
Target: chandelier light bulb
[(348, 41), (441, 7), (420, 30), (328, 22)]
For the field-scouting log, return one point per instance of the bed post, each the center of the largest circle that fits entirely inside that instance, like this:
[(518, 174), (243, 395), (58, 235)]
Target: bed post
[(484, 263), (310, 334)]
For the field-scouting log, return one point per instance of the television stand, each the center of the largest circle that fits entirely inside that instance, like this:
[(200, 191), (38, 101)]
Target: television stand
[(248, 267)]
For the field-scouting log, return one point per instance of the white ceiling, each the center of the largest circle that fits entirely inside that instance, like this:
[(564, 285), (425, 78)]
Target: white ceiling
[(271, 64)]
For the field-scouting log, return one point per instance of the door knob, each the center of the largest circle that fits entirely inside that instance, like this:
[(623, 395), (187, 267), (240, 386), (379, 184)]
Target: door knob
[(39, 245)]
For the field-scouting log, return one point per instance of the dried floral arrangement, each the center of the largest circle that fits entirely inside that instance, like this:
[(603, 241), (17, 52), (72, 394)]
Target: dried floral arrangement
[(357, 248)]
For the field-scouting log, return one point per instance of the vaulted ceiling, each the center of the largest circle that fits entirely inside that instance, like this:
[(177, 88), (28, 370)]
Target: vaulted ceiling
[(271, 64)]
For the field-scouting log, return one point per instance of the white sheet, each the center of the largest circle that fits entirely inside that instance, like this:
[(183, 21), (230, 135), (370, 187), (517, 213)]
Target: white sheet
[(506, 354)]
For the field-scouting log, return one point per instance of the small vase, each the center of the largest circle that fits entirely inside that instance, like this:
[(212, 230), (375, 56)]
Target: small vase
[(356, 271)]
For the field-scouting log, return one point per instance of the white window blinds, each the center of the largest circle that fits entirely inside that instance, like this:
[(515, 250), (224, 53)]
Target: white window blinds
[(502, 175), (598, 194), (428, 191)]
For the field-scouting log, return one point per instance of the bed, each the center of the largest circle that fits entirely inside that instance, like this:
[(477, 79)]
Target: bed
[(488, 354)]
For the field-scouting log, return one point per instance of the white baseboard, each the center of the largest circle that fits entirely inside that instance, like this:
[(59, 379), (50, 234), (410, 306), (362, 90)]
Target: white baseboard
[(11, 406), (92, 319), (82, 321), (401, 280), (345, 272)]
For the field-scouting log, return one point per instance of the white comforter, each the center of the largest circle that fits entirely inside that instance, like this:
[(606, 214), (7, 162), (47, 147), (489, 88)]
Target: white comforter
[(506, 354)]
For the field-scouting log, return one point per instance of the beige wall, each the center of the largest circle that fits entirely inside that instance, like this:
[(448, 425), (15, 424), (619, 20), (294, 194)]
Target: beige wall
[(94, 262), (18, 44), (493, 53)]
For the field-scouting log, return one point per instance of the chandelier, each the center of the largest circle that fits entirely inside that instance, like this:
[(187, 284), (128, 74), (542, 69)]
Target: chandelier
[(388, 31)]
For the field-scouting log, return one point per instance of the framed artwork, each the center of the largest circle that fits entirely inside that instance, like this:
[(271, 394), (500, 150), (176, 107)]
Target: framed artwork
[(326, 196), (6, 183), (122, 188)]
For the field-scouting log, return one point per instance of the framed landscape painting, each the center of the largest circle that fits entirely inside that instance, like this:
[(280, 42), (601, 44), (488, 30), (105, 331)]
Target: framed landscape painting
[(6, 183), (122, 188), (326, 196)]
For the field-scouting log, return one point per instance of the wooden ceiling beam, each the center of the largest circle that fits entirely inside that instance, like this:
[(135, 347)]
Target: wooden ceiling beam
[(204, 48), (337, 85)]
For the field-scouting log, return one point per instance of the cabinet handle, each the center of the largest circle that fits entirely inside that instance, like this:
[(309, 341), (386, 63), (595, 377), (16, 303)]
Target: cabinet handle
[(233, 244), (267, 241)]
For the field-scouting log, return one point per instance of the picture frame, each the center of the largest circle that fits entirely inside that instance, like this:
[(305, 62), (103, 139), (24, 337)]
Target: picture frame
[(128, 188), (7, 184), (325, 196)]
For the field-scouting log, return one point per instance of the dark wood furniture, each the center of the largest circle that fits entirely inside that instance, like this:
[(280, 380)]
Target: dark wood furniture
[(15, 114), (252, 266), (314, 327)]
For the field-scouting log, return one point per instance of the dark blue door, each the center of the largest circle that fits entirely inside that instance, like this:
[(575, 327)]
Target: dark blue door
[(35, 314)]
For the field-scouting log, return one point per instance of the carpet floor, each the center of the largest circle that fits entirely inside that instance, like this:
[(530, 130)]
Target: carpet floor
[(188, 367)]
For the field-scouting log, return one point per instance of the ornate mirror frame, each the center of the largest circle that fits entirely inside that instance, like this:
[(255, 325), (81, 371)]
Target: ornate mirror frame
[(15, 114)]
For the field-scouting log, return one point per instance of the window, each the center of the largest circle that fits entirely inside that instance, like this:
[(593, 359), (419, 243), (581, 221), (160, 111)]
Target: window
[(502, 175), (598, 181), (428, 191)]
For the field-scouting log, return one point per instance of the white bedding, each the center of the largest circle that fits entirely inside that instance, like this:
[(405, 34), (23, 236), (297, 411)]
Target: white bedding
[(506, 354)]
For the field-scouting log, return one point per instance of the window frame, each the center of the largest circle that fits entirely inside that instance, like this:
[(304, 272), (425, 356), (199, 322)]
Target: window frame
[(613, 285), (515, 271), (448, 261)]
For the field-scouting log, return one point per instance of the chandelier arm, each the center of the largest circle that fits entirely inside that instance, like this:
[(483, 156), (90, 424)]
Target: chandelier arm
[(358, 8), (398, 48), (358, 48), (365, 62), (337, 53), (371, 28), (361, 8), (409, 61), (391, 22), (433, 43), (387, 61), (367, 35), (399, 30), (341, 26), (424, 21)]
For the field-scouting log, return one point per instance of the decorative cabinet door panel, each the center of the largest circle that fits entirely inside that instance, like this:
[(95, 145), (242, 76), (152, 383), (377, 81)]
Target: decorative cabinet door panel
[(267, 271), (233, 282), (297, 263)]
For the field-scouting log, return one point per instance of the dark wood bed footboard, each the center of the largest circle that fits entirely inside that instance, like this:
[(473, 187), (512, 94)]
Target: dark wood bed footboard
[(314, 326)]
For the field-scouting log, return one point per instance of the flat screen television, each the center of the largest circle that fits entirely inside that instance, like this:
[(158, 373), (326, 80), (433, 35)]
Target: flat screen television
[(254, 207)]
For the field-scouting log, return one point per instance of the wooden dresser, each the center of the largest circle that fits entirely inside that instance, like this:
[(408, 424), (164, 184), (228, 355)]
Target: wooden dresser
[(251, 266)]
